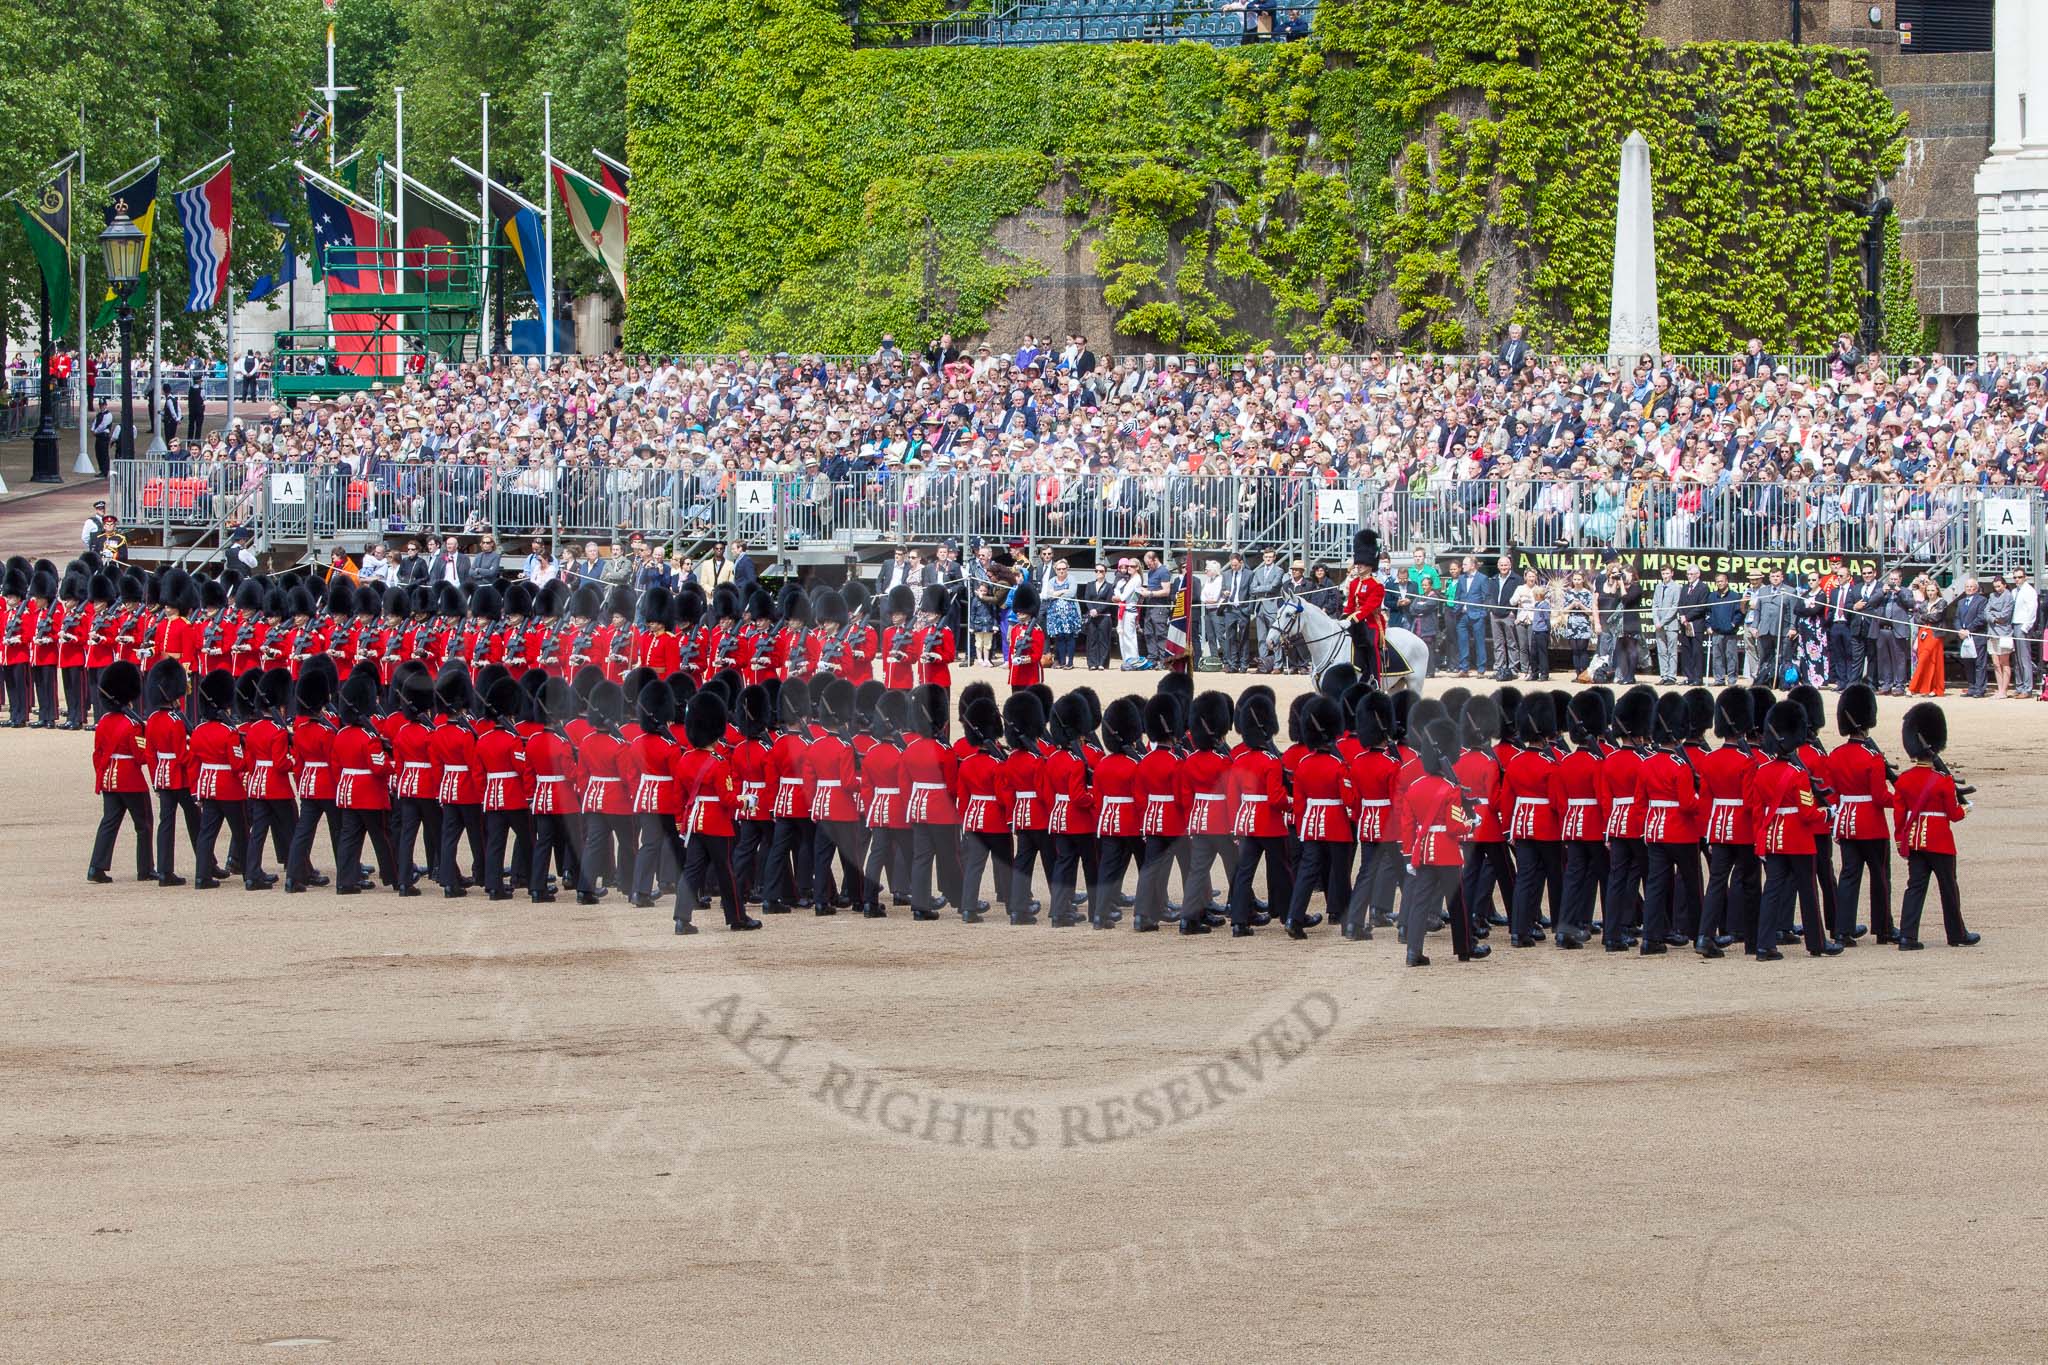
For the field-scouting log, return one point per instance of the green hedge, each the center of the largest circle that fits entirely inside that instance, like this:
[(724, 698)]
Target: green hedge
[(1421, 171)]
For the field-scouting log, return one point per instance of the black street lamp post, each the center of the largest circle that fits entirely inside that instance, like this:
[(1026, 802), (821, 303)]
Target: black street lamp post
[(121, 250)]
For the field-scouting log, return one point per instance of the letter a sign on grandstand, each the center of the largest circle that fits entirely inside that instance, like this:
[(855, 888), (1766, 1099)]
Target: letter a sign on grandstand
[(287, 489), (1337, 506), (754, 497), (2006, 517)]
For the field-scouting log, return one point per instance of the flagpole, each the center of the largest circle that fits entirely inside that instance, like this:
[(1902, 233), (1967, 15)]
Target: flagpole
[(398, 207), (230, 282), (83, 464), (483, 244), (547, 235), (156, 332)]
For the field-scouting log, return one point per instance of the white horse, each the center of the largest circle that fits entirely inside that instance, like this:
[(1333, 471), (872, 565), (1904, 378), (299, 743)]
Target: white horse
[(1328, 641)]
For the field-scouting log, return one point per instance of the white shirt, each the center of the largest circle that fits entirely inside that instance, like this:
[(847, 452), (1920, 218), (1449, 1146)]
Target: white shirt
[(2026, 605), (93, 527)]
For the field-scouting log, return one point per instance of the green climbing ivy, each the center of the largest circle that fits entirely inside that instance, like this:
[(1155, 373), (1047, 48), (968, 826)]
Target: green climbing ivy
[(1421, 171), (1905, 332)]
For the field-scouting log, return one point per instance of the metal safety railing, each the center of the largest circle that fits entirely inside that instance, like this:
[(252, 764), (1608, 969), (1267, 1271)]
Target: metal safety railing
[(1953, 528)]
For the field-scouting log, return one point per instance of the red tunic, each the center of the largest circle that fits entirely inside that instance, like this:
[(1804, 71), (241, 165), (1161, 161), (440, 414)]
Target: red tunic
[(1158, 791), (1323, 798), (46, 645), (1529, 791), (597, 768), (71, 636), (268, 747), (706, 792), (1578, 784), (1072, 804), (118, 754), (164, 733), (1725, 777), (660, 651), (1256, 795), (899, 660), (1928, 808), (985, 796), (1024, 779), (647, 766), (1478, 773), (1116, 797), (501, 751), (363, 769), (453, 749), (932, 648), (931, 772), (787, 770), (1619, 771), (1863, 791), (217, 762), (313, 747), (18, 632), (881, 778), (1431, 823), (551, 763), (1670, 800), (1374, 777), (1027, 655), (1204, 776), (1787, 817), (412, 749), (831, 776)]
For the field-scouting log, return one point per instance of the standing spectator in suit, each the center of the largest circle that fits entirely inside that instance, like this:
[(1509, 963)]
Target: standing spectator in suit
[(1721, 628), (1500, 621), (195, 399), (892, 572), (2026, 609), (1773, 604), (412, 566), (1998, 632), (1468, 619), (1666, 626), (1841, 614), (1894, 637), (449, 565), (1097, 600), (1970, 616), (1266, 580), (1234, 614), (1693, 597), (1514, 354)]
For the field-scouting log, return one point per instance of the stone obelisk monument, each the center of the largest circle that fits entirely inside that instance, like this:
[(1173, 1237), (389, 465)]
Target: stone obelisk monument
[(1632, 321)]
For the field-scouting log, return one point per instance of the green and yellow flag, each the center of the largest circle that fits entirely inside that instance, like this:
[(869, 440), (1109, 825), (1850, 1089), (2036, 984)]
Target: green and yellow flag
[(137, 199), (47, 217)]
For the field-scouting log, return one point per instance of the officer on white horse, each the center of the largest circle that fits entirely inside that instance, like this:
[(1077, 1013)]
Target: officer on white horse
[(1365, 599)]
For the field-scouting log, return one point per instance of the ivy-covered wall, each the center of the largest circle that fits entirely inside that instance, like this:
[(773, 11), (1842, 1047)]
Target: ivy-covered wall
[(1422, 171)]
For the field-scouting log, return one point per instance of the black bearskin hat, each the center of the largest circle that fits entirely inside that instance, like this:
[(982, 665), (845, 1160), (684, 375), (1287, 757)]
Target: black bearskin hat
[(656, 706), (275, 688), (1257, 720), (1732, 715), (1925, 731), (1537, 718), (982, 721), (1436, 747), (1669, 723), (217, 692), (935, 600), (892, 714), (1785, 727), (1699, 712), (1209, 720), (453, 691), (902, 601), (1024, 600), (1023, 720), (1163, 723), (930, 711), (794, 705), (1373, 720), (688, 604), (165, 685), (1809, 699), (1635, 713), (704, 722), (756, 712), (121, 682), (311, 693), (1072, 720), (1322, 721), (1123, 724), (606, 703), (1365, 548), (1856, 710), (1479, 723), (1337, 679)]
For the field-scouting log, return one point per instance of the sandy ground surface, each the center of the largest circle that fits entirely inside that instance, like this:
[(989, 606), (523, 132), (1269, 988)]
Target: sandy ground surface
[(405, 1130)]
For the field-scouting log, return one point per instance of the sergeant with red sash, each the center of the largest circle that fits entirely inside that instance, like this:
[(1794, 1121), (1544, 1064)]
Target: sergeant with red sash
[(1431, 820), (1929, 803), (1863, 797), (118, 756)]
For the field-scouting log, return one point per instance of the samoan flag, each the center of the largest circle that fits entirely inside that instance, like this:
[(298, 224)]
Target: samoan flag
[(346, 239), (206, 215)]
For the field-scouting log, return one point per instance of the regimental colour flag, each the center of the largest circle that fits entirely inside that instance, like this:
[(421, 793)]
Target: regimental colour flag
[(599, 217), (48, 219), (206, 215), (1180, 630), (137, 199)]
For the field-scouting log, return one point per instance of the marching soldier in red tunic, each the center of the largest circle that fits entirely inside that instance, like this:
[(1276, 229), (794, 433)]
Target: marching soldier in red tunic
[(985, 806), (271, 780), (1667, 788), (1488, 863), (1323, 803), (1627, 859), (1024, 734), (1027, 640), (1431, 820), (752, 769), (1204, 778), (1256, 796), (218, 766), (1734, 876), (1533, 804), (899, 641), (931, 643), (832, 773), (881, 778), (931, 777), (1162, 814), (551, 759), (418, 785), (453, 748), (707, 795), (1585, 816), (1788, 816), (1929, 803), (118, 754), (1863, 799), (1118, 822), (362, 793), (1365, 605), (164, 689)]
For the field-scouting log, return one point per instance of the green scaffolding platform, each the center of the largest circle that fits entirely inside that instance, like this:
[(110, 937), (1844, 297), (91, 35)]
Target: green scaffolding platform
[(414, 304)]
